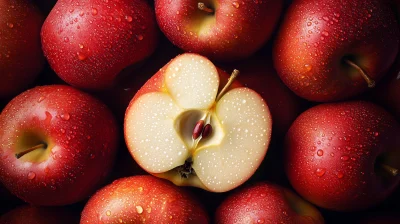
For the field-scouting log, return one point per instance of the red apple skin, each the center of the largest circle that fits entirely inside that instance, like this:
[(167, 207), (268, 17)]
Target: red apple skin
[(81, 135), (258, 73), (21, 55), (87, 43), (266, 203), (316, 36), (39, 215), (140, 199), (331, 155), (240, 28)]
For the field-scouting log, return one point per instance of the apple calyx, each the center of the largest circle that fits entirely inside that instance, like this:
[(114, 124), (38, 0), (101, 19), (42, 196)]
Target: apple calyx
[(203, 128), (204, 8), (391, 170), (39, 146), (369, 80)]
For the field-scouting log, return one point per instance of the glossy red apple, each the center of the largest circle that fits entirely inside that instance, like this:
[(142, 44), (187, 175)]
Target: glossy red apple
[(189, 125), (344, 156), (266, 203), (329, 50), (21, 56), (87, 43), (39, 215), (57, 144), (218, 29), (143, 199)]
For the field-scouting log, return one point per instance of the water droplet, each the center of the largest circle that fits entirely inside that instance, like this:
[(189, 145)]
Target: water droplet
[(108, 213), (344, 158), (309, 23), (81, 46), (140, 189), (308, 67), (236, 4), (320, 172), (139, 209), (376, 134), (148, 210), (94, 11), (65, 116), (325, 33), (81, 56), (128, 18), (81, 13), (62, 131), (31, 175), (340, 175), (120, 220), (325, 18), (320, 152), (10, 25), (139, 37), (40, 99), (66, 39), (92, 156), (260, 221)]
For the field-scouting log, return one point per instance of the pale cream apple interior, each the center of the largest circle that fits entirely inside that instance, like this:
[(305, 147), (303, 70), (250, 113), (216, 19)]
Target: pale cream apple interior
[(159, 127)]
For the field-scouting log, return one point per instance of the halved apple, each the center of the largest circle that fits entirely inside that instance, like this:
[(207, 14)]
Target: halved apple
[(190, 125)]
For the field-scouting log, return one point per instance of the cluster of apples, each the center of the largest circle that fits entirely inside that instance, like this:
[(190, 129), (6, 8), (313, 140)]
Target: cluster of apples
[(124, 111)]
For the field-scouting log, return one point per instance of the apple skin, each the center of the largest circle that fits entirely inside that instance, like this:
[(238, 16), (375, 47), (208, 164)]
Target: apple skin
[(266, 203), (235, 31), (334, 153), (39, 215), (87, 43), (317, 36), (81, 137), (21, 55), (142, 199)]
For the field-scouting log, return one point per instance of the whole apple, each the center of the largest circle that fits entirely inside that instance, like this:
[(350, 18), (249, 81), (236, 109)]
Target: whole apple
[(143, 199), (88, 42), (266, 203), (39, 215), (218, 29), (192, 125), (329, 50), (57, 144), (21, 55), (344, 156)]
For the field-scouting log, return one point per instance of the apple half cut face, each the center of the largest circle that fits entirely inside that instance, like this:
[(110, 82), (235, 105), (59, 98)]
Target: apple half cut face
[(182, 126)]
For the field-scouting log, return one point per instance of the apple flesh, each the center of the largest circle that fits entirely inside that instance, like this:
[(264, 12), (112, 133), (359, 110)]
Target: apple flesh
[(143, 199), (266, 203), (87, 43), (183, 126), (344, 156), (21, 55), (218, 29), (332, 50), (57, 144)]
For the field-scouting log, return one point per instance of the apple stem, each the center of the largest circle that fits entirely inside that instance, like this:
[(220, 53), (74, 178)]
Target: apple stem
[(232, 78), (393, 171), (204, 8), (369, 80), (20, 154)]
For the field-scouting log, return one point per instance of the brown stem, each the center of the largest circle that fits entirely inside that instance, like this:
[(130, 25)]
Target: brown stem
[(369, 80), (20, 154), (204, 8), (232, 78), (393, 171)]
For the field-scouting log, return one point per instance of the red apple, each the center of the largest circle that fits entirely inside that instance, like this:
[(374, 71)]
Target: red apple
[(266, 203), (39, 215), (219, 29), (329, 50), (190, 126), (21, 56), (87, 43), (57, 144), (344, 156), (143, 199)]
